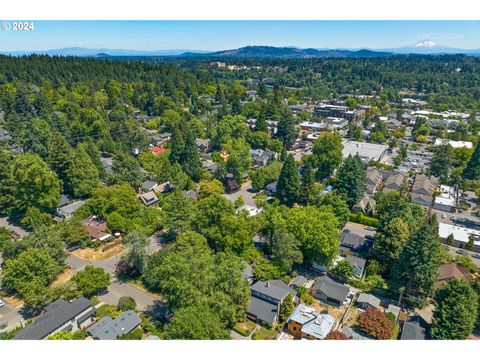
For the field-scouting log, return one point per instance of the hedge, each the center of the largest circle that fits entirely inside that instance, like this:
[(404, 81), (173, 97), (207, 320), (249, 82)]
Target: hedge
[(364, 220)]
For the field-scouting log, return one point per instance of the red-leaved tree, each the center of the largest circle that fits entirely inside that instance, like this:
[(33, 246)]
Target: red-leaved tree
[(376, 324), (336, 335)]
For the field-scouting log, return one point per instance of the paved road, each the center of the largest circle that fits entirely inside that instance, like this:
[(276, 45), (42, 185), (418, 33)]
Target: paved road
[(117, 289), (453, 251)]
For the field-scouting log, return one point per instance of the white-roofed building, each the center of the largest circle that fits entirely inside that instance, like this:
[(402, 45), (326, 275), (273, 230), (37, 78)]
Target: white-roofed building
[(454, 144), (366, 151), (446, 200), (460, 234)]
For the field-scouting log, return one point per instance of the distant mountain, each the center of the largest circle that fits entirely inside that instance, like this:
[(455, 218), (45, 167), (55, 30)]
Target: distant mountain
[(428, 47), (287, 52), (422, 47)]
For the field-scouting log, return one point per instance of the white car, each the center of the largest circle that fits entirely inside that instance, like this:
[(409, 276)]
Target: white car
[(2, 303)]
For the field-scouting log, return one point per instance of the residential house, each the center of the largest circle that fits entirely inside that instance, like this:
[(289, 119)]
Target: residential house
[(414, 328), (393, 309), (192, 194), (251, 210), (60, 315), (352, 241), (373, 179), (366, 205), (266, 298), (353, 334), (330, 291), (358, 264), (149, 198), (299, 280), (157, 150), (451, 271), (97, 229), (110, 329), (203, 145), (247, 273), (367, 301), (305, 323), (396, 181), (423, 189), (148, 185), (160, 139), (261, 157), (66, 212), (163, 188)]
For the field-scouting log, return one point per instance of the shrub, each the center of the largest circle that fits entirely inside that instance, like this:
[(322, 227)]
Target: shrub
[(136, 334), (126, 303), (376, 324), (240, 328)]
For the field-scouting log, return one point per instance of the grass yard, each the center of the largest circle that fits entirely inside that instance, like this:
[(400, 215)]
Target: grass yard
[(245, 328), (102, 253), (264, 334)]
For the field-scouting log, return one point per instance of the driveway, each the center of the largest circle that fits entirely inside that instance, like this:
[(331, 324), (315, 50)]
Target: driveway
[(5, 222), (246, 192), (10, 316)]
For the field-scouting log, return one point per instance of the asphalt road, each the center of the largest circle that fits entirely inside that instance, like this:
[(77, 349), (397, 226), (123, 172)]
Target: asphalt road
[(10, 316)]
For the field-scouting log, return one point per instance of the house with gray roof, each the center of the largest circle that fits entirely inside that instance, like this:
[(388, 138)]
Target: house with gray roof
[(299, 280), (373, 178), (354, 334), (148, 185), (110, 329), (414, 328), (329, 291), (353, 242), (66, 212), (60, 315), (366, 301), (358, 264), (395, 182), (266, 298), (149, 198), (423, 189), (306, 323), (261, 157)]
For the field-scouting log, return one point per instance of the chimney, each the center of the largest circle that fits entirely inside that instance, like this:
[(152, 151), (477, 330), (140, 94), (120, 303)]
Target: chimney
[(268, 284)]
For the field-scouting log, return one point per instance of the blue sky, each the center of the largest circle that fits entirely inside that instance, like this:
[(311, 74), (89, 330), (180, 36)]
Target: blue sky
[(220, 35)]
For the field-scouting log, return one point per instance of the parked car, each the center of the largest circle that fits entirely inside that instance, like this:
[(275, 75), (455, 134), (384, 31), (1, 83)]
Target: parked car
[(463, 252), (476, 256)]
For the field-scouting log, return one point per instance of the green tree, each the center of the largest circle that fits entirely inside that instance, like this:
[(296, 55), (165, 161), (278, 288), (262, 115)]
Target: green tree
[(286, 308), (455, 315), (90, 280), (190, 159), (179, 212), (136, 257), (288, 185), (186, 324), (286, 249), (239, 158), (35, 184), (286, 131), (472, 170), (127, 169), (264, 270), (327, 153), (308, 192), (126, 303), (344, 269), (60, 156), (419, 260), (390, 243), (441, 161), (350, 180), (82, 175)]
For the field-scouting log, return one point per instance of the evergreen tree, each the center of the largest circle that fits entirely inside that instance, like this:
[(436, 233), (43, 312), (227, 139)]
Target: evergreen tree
[(441, 161), (288, 185), (60, 156), (350, 180), (419, 261), (82, 175), (307, 189), (92, 151), (190, 159), (455, 312), (286, 131), (261, 123), (286, 308), (472, 170), (390, 243), (177, 145)]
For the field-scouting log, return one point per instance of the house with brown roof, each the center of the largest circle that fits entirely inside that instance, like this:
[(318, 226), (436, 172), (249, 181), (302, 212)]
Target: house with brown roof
[(97, 229), (451, 271), (373, 179)]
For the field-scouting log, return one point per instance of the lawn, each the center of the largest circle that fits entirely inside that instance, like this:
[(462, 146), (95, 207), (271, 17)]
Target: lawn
[(264, 334), (102, 253), (64, 277), (245, 328)]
